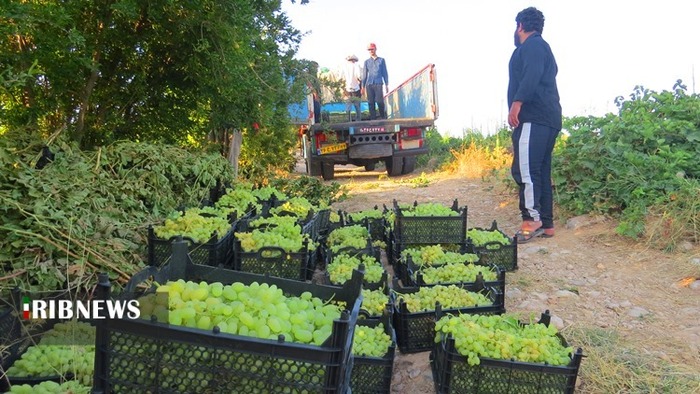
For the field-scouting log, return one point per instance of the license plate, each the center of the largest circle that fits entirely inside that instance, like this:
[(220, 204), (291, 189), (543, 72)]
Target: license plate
[(333, 148)]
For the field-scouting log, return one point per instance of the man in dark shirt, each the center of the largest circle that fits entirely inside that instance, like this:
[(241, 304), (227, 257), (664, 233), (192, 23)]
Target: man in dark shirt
[(536, 117), (374, 78)]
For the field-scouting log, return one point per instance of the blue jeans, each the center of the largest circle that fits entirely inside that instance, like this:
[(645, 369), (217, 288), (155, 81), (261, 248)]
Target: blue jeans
[(375, 95)]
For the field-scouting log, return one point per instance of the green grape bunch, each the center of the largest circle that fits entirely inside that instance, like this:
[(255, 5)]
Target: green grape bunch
[(456, 273), (355, 236), (374, 301), (192, 224), (370, 341), (299, 206), (503, 337), (449, 297), (480, 238), (51, 387), (240, 200), (357, 217), (265, 193), (341, 268), (68, 347), (434, 255), (427, 209), (276, 231), (257, 310)]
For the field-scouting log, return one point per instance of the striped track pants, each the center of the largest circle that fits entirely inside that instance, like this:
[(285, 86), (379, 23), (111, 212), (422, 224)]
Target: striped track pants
[(532, 171)]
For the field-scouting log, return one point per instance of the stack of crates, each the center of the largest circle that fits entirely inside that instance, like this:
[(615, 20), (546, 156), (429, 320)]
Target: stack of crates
[(406, 231), (178, 359), (415, 330), (331, 251)]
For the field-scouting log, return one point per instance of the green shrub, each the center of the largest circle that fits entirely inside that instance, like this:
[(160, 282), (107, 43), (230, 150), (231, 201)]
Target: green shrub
[(630, 164)]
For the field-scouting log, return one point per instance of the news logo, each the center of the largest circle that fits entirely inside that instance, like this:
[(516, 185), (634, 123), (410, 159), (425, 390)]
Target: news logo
[(77, 309)]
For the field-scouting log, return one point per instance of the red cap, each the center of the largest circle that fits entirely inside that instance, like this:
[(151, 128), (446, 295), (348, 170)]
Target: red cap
[(371, 46)]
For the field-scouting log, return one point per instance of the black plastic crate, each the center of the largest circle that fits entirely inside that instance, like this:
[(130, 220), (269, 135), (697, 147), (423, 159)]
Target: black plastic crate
[(504, 256), (391, 253), (17, 337), (383, 282), (452, 373), (10, 334), (372, 375), (332, 225), (415, 331), (376, 226), (369, 250), (217, 252), (430, 229), (277, 262), (318, 225), (366, 315), (175, 359)]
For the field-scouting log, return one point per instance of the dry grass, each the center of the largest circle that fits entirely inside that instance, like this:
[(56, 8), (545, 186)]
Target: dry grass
[(612, 366), (476, 162)]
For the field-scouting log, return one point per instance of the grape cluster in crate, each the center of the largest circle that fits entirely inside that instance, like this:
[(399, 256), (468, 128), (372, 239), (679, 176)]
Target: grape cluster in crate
[(261, 292), (44, 356)]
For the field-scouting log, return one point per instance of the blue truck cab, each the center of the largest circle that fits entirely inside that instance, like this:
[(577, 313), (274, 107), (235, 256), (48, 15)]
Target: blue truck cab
[(396, 141)]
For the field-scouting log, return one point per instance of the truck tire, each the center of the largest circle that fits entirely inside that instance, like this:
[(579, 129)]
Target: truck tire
[(327, 170), (409, 164), (370, 167), (313, 167), (394, 165)]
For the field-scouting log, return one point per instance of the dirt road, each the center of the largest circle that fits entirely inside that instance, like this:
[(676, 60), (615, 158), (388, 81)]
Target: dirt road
[(590, 279)]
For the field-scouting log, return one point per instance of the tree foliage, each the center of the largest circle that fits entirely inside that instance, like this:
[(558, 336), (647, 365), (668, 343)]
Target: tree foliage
[(156, 70)]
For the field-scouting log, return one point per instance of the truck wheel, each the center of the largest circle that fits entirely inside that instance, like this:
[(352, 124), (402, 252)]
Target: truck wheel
[(394, 165), (409, 164), (370, 167), (327, 170), (313, 167)]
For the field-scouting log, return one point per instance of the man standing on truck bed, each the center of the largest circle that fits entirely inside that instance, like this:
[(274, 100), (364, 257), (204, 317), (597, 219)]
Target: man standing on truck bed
[(375, 76), (352, 76)]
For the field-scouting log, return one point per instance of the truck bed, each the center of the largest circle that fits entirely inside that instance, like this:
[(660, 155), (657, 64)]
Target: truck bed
[(370, 126)]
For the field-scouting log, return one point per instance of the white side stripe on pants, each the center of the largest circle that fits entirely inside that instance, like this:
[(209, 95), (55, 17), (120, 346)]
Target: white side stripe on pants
[(524, 164)]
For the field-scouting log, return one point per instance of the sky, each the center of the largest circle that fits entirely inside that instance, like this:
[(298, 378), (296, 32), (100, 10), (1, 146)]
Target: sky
[(603, 48)]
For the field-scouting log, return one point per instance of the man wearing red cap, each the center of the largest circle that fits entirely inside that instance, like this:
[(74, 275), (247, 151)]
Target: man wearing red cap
[(375, 76)]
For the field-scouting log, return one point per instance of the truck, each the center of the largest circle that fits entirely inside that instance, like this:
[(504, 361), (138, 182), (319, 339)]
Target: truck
[(411, 109)]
